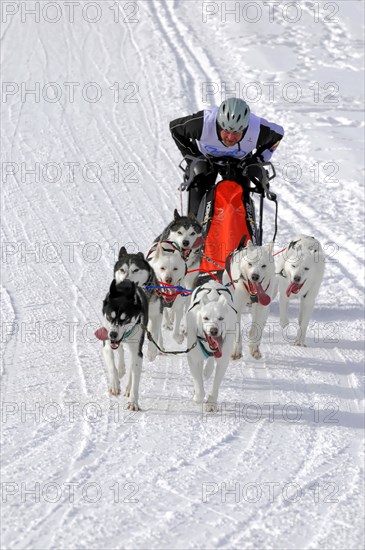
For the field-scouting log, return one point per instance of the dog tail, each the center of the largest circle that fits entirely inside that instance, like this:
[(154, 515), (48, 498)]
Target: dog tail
[(208, 369)]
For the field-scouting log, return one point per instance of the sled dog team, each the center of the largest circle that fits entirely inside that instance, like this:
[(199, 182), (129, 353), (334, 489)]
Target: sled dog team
[(143, 299)]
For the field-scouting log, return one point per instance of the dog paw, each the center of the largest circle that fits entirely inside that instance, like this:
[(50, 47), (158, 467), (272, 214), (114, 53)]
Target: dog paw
[(127, 391), (133, 407), (256, 353), (198, 397), (168, 326), (114, 390), (236, 355), (179, 338), (152, 354), (211, 407), (300, 343)]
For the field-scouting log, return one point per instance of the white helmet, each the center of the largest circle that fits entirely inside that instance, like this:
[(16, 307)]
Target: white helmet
[(233, 115)]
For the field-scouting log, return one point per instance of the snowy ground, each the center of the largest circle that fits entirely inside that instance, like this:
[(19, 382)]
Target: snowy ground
[(281, 465)]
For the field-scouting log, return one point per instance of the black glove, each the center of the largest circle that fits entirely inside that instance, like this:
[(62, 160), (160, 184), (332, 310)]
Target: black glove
[(253, 160), (195, 171)]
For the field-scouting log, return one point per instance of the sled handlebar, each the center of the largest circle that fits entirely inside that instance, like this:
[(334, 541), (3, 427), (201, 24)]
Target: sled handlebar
[(205, 165)]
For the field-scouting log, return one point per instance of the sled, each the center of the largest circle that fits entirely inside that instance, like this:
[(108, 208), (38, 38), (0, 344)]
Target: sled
[(228, 213)]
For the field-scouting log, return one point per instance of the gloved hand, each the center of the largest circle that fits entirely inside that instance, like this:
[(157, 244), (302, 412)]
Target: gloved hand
[(196, 168), (252, 160)]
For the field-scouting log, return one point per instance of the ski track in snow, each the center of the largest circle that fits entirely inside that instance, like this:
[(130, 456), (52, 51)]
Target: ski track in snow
[(164, 457)]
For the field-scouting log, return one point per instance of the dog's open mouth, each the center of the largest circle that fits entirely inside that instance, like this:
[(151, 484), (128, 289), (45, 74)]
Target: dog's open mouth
[(255, 289), (293, 288), (199, 242), (102, 334), (169, 295), (185, 253), (215, 344)]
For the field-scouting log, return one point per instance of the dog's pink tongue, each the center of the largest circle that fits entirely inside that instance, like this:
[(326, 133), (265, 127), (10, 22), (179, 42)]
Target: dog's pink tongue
[(263, 298), (102, 334), (216, 343), (293, 288), (198, 243)]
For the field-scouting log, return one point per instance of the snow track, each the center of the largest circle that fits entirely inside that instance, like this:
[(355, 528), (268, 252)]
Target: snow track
[(281, 463)]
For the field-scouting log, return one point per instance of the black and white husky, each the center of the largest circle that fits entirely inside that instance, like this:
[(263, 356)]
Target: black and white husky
[(135, 267), (188, 234), (125, 313)]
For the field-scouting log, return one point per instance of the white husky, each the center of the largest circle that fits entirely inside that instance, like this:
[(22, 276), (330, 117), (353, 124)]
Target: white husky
[(252, 274), (170, 269), (210, 323), (300, 272)]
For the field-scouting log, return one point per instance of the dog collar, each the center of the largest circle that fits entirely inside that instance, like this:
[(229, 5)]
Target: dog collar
[(205, 352)]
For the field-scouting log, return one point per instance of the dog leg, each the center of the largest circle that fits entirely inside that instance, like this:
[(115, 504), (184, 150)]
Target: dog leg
[(114, 387), (121, 362), (305, 313), (178, 310), (127, 391), (196, 370), (220, 371), (154, 327), (136, 369), (209, 367), (283, 306), (237, 346), (168, 321), (259, 318)]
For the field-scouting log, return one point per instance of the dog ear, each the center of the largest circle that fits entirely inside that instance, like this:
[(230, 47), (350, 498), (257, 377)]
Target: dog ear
[(140, 255), (204, 299), (191, 216), (176, 215), (242, 243), (222, 299), (157, 251), (122, 252)]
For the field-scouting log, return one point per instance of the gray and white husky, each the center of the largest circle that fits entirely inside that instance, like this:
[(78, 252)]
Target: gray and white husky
[(300, 271), (125, 313), (134, 267), (188, 234)]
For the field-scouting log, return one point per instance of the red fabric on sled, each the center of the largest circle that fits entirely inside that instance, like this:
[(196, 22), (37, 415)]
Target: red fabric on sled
[(228, 225)]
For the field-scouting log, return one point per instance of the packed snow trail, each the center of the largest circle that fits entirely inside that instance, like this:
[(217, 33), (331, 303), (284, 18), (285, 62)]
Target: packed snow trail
[(280, 465)]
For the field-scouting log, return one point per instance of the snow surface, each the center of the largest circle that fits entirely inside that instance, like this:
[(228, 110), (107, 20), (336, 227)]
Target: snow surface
[(288, 438)]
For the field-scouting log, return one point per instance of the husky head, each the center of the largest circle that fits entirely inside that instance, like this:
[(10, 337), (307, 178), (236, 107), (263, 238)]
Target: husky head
[(133, 267), (186, 232), (214, 314), (121, 310), (169, 267), (257, 268), (299, 267), (304, 261)]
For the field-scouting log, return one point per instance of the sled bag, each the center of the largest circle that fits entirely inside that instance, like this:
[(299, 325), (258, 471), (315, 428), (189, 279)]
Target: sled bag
[(230, 220)]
